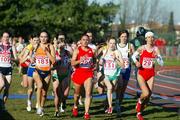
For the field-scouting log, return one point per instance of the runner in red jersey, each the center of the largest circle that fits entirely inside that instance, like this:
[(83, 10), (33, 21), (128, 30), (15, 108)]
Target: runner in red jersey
[(146, 70), (82, 60), (84, 67), (147, 61)]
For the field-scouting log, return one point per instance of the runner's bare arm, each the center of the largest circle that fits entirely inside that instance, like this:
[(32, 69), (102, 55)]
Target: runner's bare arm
[(119, 59), (134, 56), (159, 57), (51, 53), (132, 50), (14, 52), (24, 55), (74, 60)]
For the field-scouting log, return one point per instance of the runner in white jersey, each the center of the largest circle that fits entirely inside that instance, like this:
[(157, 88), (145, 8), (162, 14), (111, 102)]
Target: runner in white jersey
[(126, 50), (7, 55), (112, 63)]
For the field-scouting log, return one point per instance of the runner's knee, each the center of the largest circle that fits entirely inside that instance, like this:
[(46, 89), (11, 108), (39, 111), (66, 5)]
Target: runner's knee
[(39, 85), (146, 94), (2, 85), (109, 87), (44, 94)]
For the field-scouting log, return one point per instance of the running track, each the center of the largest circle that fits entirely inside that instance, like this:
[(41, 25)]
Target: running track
[(166, 87)]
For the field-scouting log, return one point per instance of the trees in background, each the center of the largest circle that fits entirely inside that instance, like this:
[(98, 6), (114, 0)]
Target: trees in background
[(25, 17), (140, 12)]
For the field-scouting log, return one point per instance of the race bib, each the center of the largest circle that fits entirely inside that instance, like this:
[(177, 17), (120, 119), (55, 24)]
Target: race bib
[(5, 59), (126, 62), (42, 61), (86, 62), (147, 63), (109, 65)]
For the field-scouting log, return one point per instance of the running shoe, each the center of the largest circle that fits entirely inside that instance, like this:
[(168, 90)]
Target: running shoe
[(86, 116), (106, 111), (110, 109), (56, 114), (80, 102), (138, 106), (40, 111), (139, 116), (75, 111), (61, 108), (28, 108)]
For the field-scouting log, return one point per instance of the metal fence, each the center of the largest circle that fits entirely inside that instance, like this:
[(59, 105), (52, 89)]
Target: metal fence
[(170, 51)]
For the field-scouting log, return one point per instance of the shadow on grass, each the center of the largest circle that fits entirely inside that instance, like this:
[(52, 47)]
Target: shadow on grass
[(5, 115), (158, 110)]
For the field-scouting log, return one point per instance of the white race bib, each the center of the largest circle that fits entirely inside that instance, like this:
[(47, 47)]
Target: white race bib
[(147, 62), (86, 62), (42, 61), (109, 65), (5, 59), (126, 62)]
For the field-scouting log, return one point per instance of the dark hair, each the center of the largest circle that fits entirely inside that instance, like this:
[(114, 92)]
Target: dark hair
[(111, 37), (123, 31), (7, 33), (47, 35), (84, 35), (33, 36), (141, 31), (87, 31), (61, 33)]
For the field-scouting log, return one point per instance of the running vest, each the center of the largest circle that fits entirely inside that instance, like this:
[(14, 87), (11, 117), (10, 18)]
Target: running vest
[(5, 55), (125, 54), (147, 59), (63, 61), (86, 58), (27, 62), (42, 60), (110, 66), (58, 58)]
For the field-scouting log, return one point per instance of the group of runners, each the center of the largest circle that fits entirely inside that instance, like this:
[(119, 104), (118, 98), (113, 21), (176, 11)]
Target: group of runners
[(105, 67)]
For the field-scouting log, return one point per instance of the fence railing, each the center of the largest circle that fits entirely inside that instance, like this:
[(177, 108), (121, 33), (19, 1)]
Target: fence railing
[(170, 51)]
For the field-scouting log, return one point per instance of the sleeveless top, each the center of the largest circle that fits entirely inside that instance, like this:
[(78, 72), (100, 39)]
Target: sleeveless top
[(110, 66), (86, 57), (125, 54), (5, 55), (27, 63), (42, 60), (63, 61), (147, 59)]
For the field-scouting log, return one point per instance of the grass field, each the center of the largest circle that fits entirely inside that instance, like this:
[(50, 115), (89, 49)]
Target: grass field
[(17, 111), (16, 108), (171, 62)]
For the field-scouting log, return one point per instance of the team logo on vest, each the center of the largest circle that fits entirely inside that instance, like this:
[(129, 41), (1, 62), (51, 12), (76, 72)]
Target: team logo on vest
[(86, 62)]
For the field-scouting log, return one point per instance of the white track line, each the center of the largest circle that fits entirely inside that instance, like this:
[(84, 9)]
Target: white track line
[(156, 95), (176, 89), (166, 76)]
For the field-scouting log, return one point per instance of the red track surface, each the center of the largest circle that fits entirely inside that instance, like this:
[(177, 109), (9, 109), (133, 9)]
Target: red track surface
[(166, 85)]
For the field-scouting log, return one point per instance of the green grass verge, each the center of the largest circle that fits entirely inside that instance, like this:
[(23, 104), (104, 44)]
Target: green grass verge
[(17, 107), (171, 62), (17, 111)]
